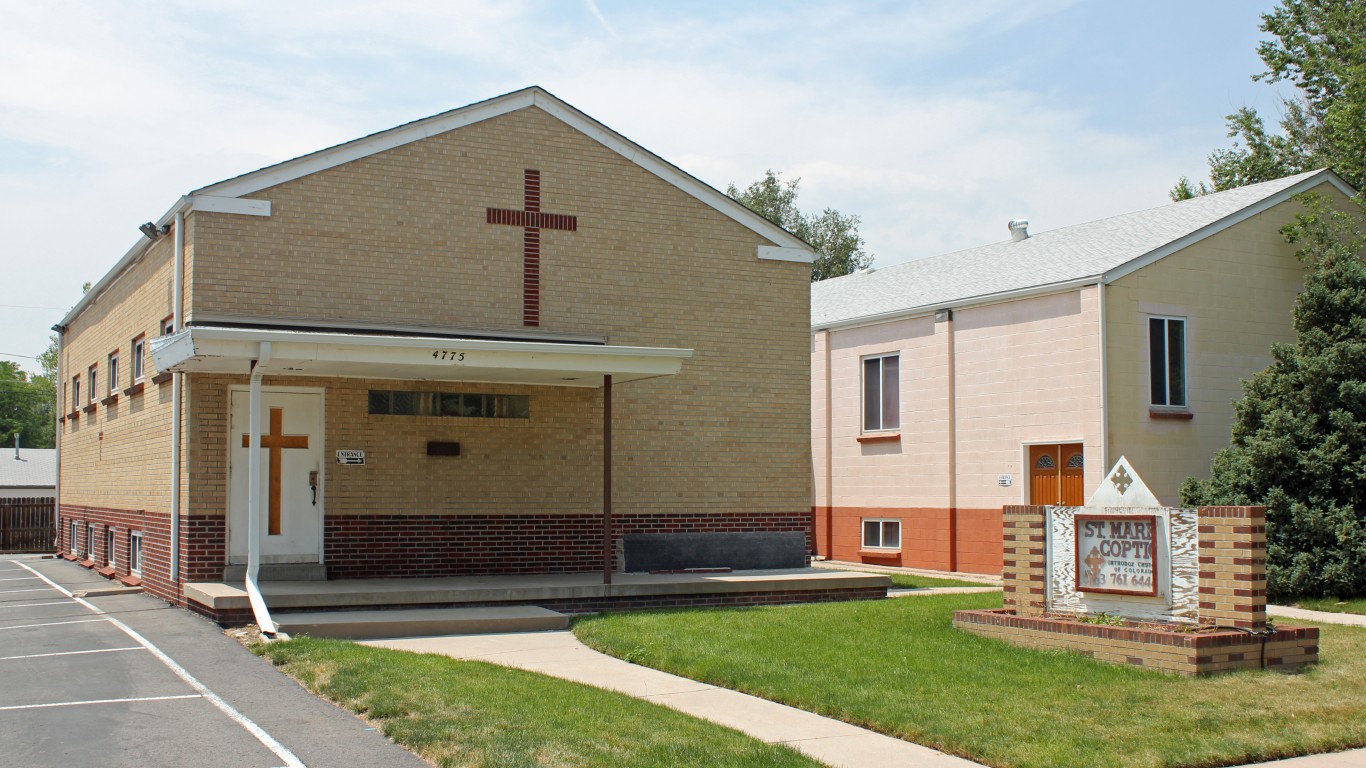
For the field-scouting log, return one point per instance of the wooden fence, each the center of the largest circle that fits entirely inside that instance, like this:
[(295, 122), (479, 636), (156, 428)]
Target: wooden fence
[(26, 524)]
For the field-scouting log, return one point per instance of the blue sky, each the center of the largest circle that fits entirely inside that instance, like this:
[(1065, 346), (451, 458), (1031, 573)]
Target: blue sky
[(936, 121)]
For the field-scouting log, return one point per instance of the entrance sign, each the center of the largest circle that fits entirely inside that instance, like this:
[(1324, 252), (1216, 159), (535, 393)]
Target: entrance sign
[(350, 457), (1116, 554)]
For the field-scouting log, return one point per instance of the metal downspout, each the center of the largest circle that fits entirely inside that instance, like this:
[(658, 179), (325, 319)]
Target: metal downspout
[(258, 603), (177, 300), (1104, 382), (829, 461), (57, 440), (953, 441)]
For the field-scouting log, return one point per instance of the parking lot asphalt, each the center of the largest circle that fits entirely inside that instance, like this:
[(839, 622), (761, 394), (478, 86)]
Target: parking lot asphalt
[(127, 680)]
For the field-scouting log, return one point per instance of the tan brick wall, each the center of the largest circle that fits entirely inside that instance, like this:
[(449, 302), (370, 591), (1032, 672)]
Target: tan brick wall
[(118, 456), (1233, 566), (401, 238), (1024, 570)]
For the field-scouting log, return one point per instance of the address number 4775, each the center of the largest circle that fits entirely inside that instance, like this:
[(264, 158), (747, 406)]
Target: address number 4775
[(455, 357)]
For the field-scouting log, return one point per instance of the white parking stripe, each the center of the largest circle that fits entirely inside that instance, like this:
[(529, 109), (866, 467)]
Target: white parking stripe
[(100, 701), (71, 653), (54, 623), (280, 750), (32, 605), (19, 578), (15, 591)]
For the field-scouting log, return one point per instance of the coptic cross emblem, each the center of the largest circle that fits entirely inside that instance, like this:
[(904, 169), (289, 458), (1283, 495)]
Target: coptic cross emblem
[(1093, 563), (532, 221), (276, 441), (1122, 480)]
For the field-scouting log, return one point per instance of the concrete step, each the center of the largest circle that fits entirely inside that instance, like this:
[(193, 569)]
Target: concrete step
[(236, 574), (421, 622)]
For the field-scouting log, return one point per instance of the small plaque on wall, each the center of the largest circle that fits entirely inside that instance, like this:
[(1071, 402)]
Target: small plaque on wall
[(443, 449), (350, 457)]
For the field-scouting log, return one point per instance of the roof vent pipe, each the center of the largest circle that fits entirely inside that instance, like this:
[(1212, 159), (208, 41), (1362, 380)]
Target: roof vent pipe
[(1019, 229)]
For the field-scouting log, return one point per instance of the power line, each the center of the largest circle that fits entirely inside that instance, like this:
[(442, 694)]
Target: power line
[(15, 354)]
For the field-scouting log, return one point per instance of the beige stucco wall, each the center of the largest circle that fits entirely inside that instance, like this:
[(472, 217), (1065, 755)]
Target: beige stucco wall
[(401, 238), (1236, 289), (1026, 371)]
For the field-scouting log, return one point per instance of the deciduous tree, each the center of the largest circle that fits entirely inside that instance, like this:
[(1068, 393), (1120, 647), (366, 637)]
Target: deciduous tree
[(835, 236)]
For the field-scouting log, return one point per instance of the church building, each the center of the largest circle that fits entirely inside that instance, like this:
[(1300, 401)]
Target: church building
[(501, 340), (1018, 372)]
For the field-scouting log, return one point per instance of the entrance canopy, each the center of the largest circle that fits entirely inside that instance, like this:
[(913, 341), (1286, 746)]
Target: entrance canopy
[(418, 358)]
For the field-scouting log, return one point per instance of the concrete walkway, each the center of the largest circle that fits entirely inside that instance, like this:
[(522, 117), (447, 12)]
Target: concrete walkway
[(835, 743), (560, 654), (1324, 617)]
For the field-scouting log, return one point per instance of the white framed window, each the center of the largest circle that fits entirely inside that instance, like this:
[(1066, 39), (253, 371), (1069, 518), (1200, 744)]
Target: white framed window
[(113, 372), (139, 347), (110, 550), (75, 392), (168, 326), (90, 541), (881, 534), (71, 538), (135, 552), (92, 383), (881, 392), (1167, 361)]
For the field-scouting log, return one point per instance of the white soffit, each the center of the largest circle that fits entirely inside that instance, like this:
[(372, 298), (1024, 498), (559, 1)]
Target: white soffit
[(295, 353), (216, 204)]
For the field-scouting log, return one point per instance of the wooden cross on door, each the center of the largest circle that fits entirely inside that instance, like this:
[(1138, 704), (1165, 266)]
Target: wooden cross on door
[(532, 221), (276, 441)]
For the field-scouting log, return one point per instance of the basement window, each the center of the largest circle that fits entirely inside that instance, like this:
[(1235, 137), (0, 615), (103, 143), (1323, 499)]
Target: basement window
[(71, 538), (109, 547), (135, 552), (90, 542), (462, 404), (881, 534)]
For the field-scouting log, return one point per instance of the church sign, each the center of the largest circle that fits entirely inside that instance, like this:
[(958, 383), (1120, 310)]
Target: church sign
[(1116, 554)]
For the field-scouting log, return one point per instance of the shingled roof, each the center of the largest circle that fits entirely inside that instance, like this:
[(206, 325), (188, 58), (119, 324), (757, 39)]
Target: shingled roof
[(1105, 249), (35, 468)]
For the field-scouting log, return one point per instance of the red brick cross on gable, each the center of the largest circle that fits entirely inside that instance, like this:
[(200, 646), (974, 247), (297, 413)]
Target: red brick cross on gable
[(532, 221)]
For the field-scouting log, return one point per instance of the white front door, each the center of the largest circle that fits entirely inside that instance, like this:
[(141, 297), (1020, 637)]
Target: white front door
[(291, 476)]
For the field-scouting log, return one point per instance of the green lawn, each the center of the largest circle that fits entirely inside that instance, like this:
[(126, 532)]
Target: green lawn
[(1332, 604), (897, 666), (459, 713), (913, 581)]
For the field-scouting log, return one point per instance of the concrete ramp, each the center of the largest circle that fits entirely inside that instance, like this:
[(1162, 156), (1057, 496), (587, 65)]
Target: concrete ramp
[(421, 622)]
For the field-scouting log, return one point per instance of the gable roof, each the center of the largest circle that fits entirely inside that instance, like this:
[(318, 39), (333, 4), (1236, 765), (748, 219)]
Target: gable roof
[(1102, 250), (224, 196), (35, 468)]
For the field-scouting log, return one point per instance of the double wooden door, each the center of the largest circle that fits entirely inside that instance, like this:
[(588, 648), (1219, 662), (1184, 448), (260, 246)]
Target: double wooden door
[(1056, 475)]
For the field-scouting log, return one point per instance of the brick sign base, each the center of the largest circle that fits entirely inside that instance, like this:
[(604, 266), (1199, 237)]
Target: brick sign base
[(1232, 603), (1184, 653)]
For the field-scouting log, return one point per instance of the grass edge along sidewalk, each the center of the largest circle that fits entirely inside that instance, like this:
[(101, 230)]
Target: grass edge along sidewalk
[(898, 667), (469, 713)]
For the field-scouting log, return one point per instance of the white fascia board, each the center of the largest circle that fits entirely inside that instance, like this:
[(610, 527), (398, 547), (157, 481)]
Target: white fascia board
[(237, 347), (129, 258), (667, 171), (778, 253), (972, 301), (501, 105), (1323, 176), (356, 149), (237, 205)]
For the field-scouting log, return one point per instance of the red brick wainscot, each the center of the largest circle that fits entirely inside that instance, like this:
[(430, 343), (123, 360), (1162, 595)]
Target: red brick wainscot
[(201, 546), (390, 546), (1185, 653)]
